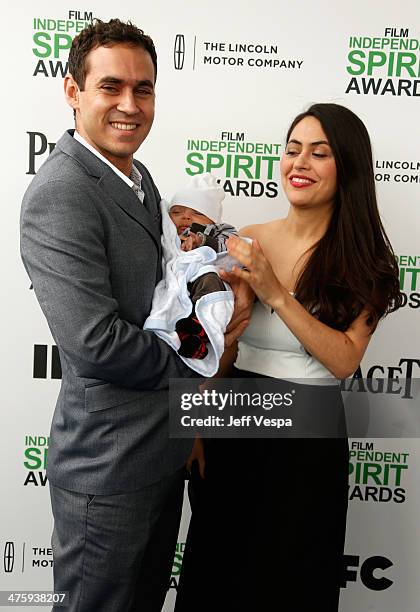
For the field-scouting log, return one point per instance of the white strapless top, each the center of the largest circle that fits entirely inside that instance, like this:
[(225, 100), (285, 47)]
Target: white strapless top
[(268, 347)]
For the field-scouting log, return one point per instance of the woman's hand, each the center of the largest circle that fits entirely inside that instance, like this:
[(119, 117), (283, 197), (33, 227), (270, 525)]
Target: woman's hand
[(258, 273), (197, 454)]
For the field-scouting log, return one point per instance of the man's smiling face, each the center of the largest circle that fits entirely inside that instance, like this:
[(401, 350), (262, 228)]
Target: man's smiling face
[(115, 110)]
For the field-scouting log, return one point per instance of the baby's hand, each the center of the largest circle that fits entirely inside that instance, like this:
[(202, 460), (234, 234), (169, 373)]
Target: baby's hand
[(186, 243), (191, 242)]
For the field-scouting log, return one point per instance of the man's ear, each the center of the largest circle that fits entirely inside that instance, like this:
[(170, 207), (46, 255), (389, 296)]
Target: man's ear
[(71, 91)]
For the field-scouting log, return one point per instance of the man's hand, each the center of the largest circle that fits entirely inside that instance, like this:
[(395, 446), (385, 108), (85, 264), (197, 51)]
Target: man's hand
[(244, 301)]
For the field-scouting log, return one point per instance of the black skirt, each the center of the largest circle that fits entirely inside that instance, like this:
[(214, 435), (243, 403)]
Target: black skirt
[(268, 525)]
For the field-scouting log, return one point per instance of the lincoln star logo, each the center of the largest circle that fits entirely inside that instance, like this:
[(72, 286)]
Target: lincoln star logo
[(9, 557), (179, 51)]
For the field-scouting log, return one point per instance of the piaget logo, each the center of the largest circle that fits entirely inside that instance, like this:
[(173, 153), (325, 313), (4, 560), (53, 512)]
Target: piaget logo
[(38, 148), (409, 279), (392, 379), (35, 460), (249, 169), (52, 39), (376, 475), (384, 65)]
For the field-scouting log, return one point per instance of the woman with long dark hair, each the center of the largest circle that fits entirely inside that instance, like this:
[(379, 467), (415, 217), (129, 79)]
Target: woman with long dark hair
[(268, 520)]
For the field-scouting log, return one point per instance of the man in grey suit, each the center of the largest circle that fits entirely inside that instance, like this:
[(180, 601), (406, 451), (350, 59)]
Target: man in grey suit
[(90, 241)]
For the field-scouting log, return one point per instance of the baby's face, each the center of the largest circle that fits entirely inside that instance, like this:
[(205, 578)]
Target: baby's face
[(183, 217)]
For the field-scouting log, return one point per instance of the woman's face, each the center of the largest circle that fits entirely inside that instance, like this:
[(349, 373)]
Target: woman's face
[(308, 170)]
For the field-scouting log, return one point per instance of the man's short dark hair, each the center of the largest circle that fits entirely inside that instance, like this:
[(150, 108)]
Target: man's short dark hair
[(106, 34)]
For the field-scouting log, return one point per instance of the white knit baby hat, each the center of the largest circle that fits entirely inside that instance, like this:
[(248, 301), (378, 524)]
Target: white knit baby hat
[(202, 193)]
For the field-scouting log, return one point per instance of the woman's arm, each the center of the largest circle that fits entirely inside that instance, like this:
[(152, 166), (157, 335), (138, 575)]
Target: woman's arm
[(225, 367), (340, 352), (227, 360)]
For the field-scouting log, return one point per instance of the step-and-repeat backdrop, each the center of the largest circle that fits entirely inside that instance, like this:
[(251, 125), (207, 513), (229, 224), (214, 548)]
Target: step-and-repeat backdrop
[(232, 75)]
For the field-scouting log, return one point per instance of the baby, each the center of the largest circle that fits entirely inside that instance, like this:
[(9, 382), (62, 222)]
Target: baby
[(196, 212)]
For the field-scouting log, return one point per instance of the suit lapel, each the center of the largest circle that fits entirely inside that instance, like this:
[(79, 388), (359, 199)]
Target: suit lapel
[(113, 186), (126, 199)]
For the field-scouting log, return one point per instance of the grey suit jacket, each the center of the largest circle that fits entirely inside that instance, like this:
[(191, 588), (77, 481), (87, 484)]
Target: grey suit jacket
[(93, 253)]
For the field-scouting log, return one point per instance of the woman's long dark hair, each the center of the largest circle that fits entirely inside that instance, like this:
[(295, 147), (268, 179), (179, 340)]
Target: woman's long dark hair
[(352, 267)]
